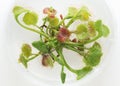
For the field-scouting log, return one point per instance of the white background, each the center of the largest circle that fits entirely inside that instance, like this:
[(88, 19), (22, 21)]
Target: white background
[(110, 76)]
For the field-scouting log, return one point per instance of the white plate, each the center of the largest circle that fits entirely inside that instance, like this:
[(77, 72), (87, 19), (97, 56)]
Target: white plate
[(14, 36)]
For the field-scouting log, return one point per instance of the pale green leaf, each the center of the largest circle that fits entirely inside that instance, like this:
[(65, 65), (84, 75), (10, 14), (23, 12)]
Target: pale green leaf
[(105, 31), (30, 18), (17, 10), (26, 50), (98, 27), (23, 60), (81, 32), (72, 11), (53, 21), (91, 30), (81, 28), (84, 14)]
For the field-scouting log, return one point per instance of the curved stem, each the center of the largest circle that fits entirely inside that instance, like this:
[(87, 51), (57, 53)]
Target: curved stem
[(65, 63), (95, 38), (33, 30)]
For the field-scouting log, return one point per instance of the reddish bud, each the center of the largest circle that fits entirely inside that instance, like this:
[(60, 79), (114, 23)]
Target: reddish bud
[(63, 35), (50, 11), (61, 16), (46, 10), (45, 60)]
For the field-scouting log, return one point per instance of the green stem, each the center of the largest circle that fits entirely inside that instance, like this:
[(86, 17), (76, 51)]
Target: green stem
[(70, 22), (73, 19), (74, 49), (65, 63), (73, 44), (92, 40), (34, 56), (56, 58), (33, 30), (79, 44)]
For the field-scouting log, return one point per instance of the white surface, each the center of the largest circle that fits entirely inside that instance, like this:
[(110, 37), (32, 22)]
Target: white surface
[(110, 76)]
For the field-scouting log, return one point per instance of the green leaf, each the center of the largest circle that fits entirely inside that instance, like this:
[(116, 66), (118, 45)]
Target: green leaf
[(30, 18), (81, 32), (84, 14), (41, 46), (91, 30), (102, 29), (83, 72), (72, 11), (81, 28), (17, 10), (98, 27), (82, 36), (91, 24), (23, 60), (63, 75), (53, 21), (105, 31), (26, 50), (93, 55)]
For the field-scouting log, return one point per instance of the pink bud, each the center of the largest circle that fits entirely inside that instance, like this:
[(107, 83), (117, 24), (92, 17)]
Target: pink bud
[(63, 35)]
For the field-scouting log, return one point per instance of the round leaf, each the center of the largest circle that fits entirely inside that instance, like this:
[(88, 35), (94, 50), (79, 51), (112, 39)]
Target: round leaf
[(23, 60), (91, 30), (105, 31), (81, 28), (72, 11), (53, 21), (26, 50), (81, 32), (93, 55), (30, 18), (84, 13)]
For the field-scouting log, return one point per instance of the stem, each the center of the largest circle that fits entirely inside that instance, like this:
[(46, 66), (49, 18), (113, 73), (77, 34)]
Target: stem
[(73, 19), (79, 44), (54, 30), (74, 49), (33, 30), (65, 63), (73, 44), (95, 38), (70, 22), (34, 56), (56, 58)]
